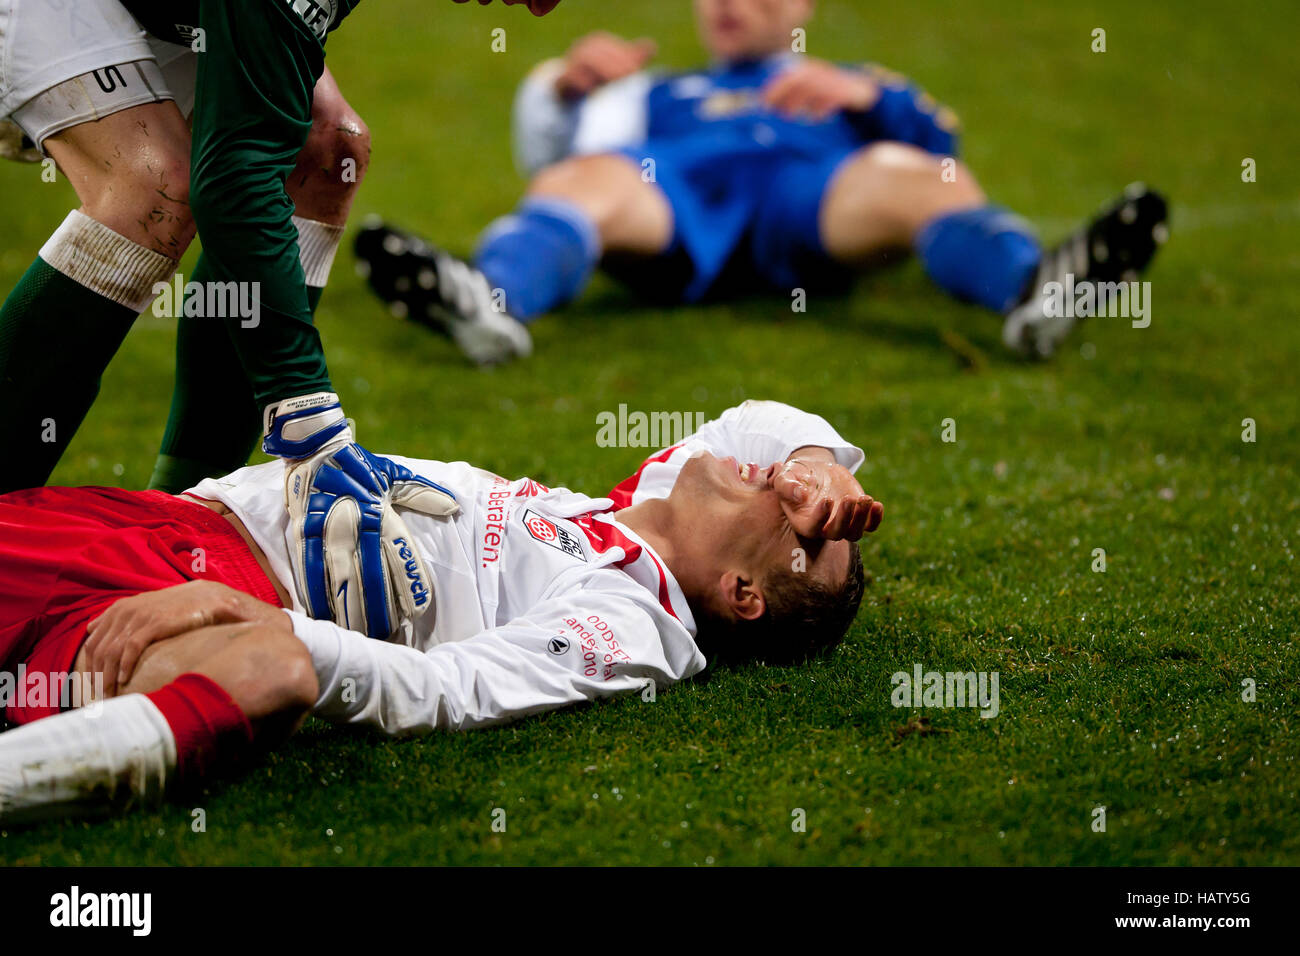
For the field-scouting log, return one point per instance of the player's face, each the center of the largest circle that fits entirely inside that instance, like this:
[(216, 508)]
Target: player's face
[(741, 29), (734, 511)]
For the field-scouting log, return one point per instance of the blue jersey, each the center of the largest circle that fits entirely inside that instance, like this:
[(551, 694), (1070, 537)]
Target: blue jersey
[(724, 159), (722, 109), (719, 107)]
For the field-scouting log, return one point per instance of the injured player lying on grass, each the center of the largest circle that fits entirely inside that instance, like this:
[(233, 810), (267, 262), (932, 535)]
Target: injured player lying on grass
[(735, 544)]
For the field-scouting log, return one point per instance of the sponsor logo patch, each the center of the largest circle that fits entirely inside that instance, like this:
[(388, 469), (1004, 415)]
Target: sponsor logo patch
[(548, 532)]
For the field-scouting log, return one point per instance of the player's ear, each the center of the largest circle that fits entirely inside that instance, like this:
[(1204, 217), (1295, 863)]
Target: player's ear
[(741, 595)]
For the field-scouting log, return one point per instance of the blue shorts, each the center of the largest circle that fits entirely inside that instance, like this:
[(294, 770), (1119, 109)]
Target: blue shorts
[(745, 219)]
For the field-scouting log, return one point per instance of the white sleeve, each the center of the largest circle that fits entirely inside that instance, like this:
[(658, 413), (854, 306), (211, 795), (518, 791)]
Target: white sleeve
[(543, 123), (765, 432), (579, 646), (615, 116), (546, 129)]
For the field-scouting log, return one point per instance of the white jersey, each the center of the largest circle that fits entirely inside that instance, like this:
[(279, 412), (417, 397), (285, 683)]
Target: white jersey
[(541, 597)]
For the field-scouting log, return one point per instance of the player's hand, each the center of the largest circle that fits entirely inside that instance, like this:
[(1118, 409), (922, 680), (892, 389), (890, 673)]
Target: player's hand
[(354, 561), (822, 499), (116, 639), (816, 89), (600, 58)]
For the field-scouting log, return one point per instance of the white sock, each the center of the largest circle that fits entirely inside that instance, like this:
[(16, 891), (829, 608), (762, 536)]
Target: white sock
[(317, 243), (88, 252), (101, 757)]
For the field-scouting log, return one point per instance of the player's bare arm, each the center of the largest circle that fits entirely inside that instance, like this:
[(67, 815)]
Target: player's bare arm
[(600, 58), (817, 89), (117, 638)]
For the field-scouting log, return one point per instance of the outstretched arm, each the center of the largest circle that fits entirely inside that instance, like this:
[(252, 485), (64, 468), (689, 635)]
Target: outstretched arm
[(575, 647)]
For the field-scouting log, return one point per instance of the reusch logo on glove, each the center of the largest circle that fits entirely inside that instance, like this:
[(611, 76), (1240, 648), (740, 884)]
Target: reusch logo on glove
[(418, 590)]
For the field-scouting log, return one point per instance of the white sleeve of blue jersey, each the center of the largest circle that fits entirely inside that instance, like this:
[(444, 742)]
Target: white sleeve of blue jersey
[(589, 643), (616, 116), (547, 129), (543, 123), (764, 432)]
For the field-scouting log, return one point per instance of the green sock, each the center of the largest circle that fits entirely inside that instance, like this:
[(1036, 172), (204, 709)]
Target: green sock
[(214, 424), (56, 339)]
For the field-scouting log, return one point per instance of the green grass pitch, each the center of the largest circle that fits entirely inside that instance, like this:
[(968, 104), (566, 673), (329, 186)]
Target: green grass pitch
[(1120, 689)]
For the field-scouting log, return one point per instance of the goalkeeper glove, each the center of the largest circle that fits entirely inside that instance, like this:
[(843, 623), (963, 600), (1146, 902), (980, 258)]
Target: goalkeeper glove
[(354, 560)]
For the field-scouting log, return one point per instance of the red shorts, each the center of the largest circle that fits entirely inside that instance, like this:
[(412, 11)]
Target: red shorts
[(66, 554)]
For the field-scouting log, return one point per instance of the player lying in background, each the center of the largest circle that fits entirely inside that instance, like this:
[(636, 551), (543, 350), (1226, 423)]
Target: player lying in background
[(734, 544), (767, 171)]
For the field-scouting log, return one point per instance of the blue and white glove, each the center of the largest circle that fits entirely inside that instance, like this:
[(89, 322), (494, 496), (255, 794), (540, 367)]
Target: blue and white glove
[(354, 561)]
